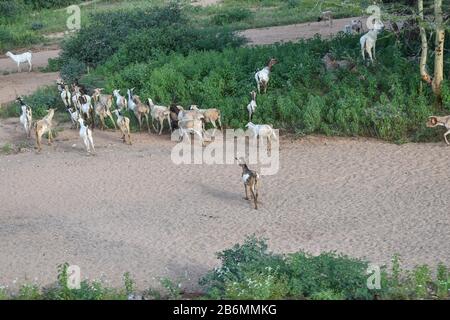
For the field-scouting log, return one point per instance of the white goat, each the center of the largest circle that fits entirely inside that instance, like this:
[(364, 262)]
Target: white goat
[(21, 58), (159, 113), (74, 115), (262, 76), (131, 103), (190, 121), (86, 136), (121, 101), (251, 107), (26, 117), (368, 41), (263, 131)]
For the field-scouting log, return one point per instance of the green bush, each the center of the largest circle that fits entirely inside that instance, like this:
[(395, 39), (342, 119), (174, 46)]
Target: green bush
[(10, 8), (302, 96), (47, 4), (98, 41), (231, 15), (249, 271), (72, 70)]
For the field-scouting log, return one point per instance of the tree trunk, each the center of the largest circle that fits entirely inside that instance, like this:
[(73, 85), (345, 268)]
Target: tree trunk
[(424, 52), (439, 49)]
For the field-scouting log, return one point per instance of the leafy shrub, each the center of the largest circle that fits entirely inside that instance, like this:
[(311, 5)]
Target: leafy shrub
[(231, 15), (72, 69), (249, 271), (109, 30), (37, 26), (47, 4), (10, 8), (302, 96)]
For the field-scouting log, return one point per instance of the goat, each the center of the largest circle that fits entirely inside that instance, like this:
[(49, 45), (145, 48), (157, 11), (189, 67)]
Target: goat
[(331, 64), (159, 113), (123, 123), (174, 111), (21, 58), (188, 126), (131, 104), (368, 41), (209, 116), (102, 106), (140, 110), (74, 115), (43, 126), (326, 15), (250, 179), (190, 121), (121, 101), (86, 109), (434, 121), (66, 97), (262, 76), (26, 117), (263, 131), (251, 107), (86, 136), (357, 26)]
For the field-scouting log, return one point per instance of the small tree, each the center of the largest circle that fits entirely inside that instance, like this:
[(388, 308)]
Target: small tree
[(438, 77)]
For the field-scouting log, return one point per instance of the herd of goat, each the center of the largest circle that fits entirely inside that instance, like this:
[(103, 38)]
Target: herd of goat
[(84, 108)]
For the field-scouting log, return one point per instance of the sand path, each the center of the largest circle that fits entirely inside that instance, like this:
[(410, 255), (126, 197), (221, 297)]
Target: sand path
[(25, 83), (132, 209)]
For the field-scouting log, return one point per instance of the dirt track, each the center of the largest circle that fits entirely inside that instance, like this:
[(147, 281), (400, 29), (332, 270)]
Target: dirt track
[(25, 83), (132, 209)]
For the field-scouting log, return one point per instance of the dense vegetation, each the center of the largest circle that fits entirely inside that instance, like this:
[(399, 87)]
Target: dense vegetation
[(250, 271)]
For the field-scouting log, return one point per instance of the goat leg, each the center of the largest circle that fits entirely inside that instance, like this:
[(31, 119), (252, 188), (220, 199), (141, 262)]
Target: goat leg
[(445, 137), (246, 192)]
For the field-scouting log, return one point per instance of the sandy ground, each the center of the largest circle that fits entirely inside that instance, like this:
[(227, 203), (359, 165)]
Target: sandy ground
[(293, 32), (132, 209), (25, 83)]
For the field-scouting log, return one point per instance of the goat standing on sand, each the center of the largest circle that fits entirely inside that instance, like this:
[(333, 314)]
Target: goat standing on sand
[(262, 77), (44, 126), (124, 125), (103, 104), (74, 115), (86, 136), (263, 131), (210, 116), (369, 40), (159, 113), (21, 58), (251, 107), (141, 110), (434, 121), (26, 117), (326, 15), (121, 101), (250, 179)]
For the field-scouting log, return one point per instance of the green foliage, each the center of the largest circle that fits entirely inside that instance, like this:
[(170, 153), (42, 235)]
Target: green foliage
[(107, 32), (249, 271), (231, 15), (10, 8), (302, 96), (72, 70), (47, 4)]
